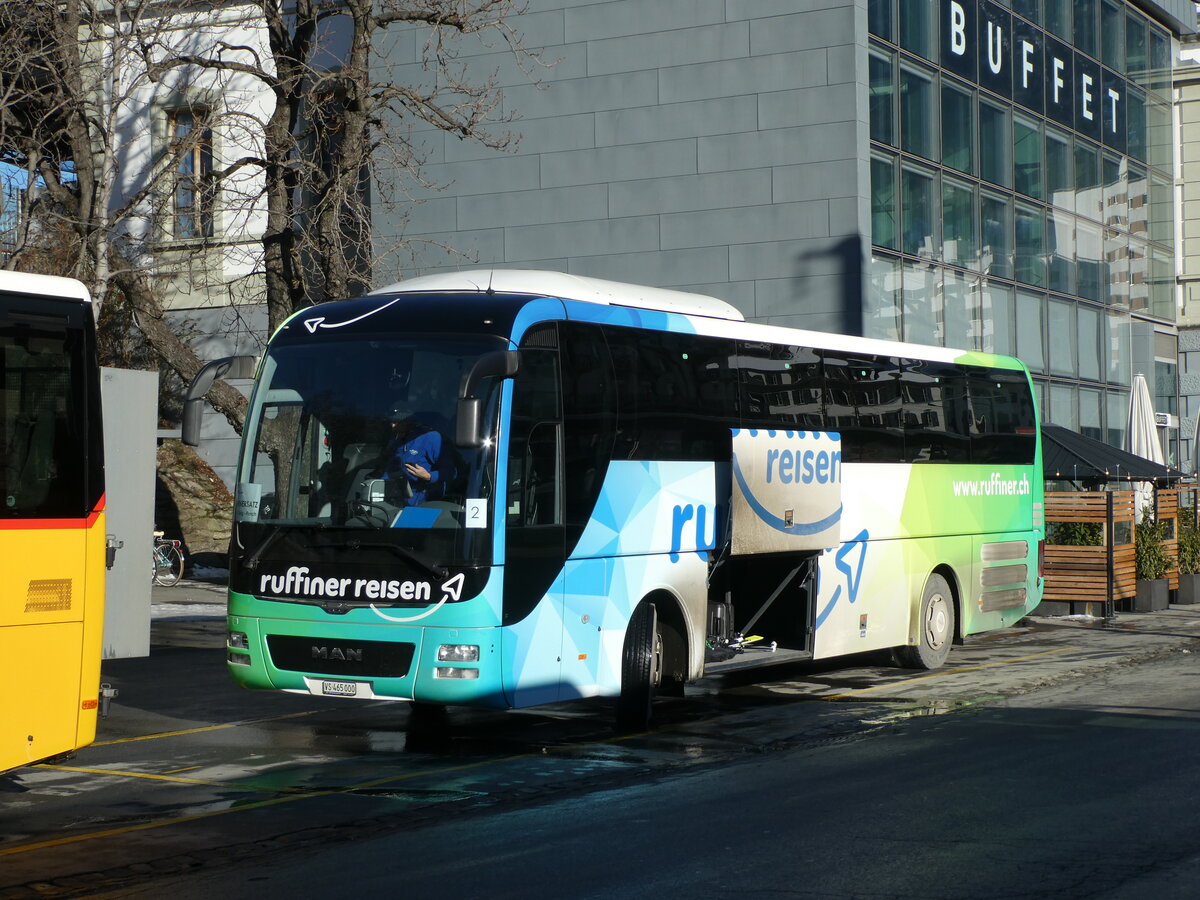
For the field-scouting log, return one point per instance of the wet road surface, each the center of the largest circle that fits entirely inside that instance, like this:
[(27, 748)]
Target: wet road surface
[(191, 774), (1084, 790)]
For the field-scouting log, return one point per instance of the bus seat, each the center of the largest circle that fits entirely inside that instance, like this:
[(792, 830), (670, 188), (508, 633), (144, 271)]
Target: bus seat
[(359, 462), (359, 455)]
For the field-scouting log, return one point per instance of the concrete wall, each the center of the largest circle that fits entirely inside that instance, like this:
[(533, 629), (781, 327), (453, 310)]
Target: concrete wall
[(714, 145), (130, 401)]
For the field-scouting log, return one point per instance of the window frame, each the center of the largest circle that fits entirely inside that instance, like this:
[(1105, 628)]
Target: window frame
[(192, 174)]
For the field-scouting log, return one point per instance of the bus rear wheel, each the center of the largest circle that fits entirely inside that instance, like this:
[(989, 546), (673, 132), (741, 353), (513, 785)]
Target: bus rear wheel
[(641, 669), (936, 628)]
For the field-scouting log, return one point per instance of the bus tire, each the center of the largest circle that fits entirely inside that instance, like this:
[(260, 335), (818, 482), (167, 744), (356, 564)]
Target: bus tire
[(935, 631), (641, 668)]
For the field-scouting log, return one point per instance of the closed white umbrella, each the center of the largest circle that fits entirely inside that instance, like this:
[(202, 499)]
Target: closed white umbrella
[(1143, 436), (1196, 448)]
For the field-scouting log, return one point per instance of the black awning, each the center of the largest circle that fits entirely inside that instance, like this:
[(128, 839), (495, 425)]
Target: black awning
[(1068, 456)]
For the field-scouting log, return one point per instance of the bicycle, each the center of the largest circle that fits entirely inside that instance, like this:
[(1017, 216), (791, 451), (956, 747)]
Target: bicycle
[(168, 560)]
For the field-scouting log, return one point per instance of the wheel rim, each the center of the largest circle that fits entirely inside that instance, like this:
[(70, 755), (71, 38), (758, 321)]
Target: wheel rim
[(937, 621), (656, 664)]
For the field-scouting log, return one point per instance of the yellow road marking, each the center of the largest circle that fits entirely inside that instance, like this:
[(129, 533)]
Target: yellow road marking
[(242, 807), (149, 776), (248, 786), (203, 728), (895, 684)]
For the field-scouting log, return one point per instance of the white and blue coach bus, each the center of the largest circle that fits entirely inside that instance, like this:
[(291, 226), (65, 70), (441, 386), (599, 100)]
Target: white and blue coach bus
[(617, 490)]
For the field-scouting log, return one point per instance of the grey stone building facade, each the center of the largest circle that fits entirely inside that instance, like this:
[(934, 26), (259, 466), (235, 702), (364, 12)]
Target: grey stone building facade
[(990, 174)]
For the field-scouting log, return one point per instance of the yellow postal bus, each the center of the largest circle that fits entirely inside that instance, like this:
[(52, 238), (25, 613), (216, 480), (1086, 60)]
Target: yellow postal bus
[(52, 538)]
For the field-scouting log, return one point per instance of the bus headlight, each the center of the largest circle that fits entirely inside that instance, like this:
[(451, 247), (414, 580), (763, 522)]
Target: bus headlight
[(237, 659), (453, 672), (458, 653), (238, 640)]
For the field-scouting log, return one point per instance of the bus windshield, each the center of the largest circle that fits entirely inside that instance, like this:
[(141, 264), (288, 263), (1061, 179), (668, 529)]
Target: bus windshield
[(357, 435), (44, 428)]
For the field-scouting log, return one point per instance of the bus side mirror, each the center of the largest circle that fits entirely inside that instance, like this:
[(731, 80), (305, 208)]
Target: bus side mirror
[(193, 402), (466, 428), (497, 364)]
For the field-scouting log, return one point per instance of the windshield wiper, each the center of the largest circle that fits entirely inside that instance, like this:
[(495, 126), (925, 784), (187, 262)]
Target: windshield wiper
[(256, 555), (407, 555), (261, 547)]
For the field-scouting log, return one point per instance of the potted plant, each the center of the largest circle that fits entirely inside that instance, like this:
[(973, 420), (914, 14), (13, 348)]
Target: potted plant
[(1189, 561), (1074, 534), (1153, 563), (1062, 565)]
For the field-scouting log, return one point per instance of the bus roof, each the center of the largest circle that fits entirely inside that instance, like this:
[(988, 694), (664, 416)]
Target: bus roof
[(568, 287), (561, 285), (43, 286)]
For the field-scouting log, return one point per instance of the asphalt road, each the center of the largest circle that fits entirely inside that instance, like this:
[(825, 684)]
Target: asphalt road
[(1088, 790), (1037, 753)]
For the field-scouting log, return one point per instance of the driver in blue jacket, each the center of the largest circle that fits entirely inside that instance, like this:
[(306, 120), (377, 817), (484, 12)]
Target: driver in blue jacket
[(418, 455)]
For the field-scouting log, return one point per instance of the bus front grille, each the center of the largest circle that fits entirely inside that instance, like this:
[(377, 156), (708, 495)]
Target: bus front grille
[(361, 659)]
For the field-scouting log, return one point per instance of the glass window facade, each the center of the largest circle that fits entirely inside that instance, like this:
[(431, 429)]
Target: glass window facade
[(918, 111), (1087, 26), (995, 144), (1091, 414), (1031, 331), (884, 223), (920, 211), (959, 218), (883, 99), (1027, 157), (998, 336), (958, 128), (1021, 185)]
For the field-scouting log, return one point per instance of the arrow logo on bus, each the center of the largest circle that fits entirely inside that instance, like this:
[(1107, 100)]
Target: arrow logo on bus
[(849, 561), (452, 589), (319, 321), (451, 593)]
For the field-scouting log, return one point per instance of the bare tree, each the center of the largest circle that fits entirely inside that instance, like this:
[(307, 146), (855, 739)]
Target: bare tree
[(313, 132), (72, 100)]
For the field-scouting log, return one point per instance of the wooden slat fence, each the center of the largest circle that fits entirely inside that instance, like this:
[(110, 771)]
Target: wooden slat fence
[(1166, 509), (1091, 578), (1189, 509)]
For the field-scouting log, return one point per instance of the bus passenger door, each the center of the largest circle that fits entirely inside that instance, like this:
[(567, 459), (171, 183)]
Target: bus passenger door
[(534, 534), (589, 431)]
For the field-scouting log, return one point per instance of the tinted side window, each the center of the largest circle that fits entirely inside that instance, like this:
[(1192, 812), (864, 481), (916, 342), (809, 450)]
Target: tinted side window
[(675, 395), (589, 420), (863, 403), (534, 467), (50, 442), (1003, 422), (780, 386), (534, 536), (935, 412)]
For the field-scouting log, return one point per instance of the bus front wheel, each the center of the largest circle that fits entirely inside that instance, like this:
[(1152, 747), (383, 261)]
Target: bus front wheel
[(641, 669), (935, 631)]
